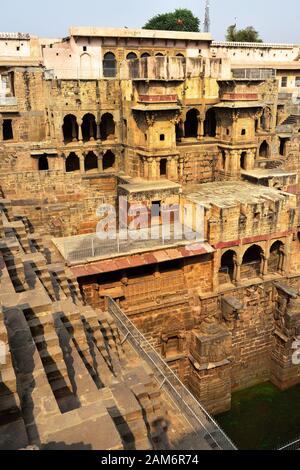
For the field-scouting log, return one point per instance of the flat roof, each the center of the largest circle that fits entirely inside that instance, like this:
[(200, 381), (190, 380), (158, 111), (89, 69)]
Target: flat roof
[(262, 173), (254, 45), (239, 104), (232, 193), (141, 185), (137, 33)]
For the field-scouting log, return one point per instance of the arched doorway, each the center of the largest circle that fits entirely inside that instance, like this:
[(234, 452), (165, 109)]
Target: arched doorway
[(72, 163), (264, 150), (226, 272), (109, 65), (210, 123), (145, 55), (163, 167), (275, 262), (89, 127), (109, 160), (43, 163), (70, 128), (283, 145), (252, 259), (191, 123), (107, 127), (243, 160), (91, 162)]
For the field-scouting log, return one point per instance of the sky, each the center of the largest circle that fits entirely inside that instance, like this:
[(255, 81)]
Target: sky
[(276, 20)]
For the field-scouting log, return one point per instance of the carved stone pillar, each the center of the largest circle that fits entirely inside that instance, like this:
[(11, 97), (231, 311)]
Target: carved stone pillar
[(152, 168), (227, 161), (92, 130), (145, 168), (81, 160), (264, 268), (98, 136), (282, 260), (238, 272), (174, 168), (234, 161), (100, 161), (249, 164), (79, 131), (200, 131)]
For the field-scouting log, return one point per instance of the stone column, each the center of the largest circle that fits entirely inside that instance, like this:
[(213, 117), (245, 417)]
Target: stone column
[(169, 168), (282, 260), (81, 160), (157, 167), (264, 266), (250, 160), (238, 272), (92, 130), (98, 137), (146, 168), (100, 161), (200, 132), (174, 172), (181, 129), (227, 161), (79, 130), (151, 167), (234, 161)]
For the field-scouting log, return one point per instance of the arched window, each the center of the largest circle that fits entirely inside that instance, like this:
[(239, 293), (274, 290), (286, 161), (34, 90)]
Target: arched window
[(131, 56), (43, 163), (163, 167), (70, 128), (109, 160), (107, 126), (159, 54), (226, 272), (179, 55), (109, 65), (276, 257), (145, 55), (191, 123), (72, 163), (89, 128), (91, 162), (264, 150), (210, 123), (252, 262)]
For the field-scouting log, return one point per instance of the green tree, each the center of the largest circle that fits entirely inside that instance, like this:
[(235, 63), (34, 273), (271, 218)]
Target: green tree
[(248, 34), (181, 19)]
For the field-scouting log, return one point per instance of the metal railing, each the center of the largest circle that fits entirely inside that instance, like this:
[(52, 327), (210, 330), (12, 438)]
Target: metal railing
[(204, 426), (295, 445)]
